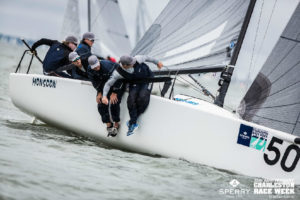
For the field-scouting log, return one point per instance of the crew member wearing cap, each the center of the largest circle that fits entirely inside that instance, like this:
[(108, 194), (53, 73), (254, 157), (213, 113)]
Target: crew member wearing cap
[(75, 68), (57, 55), (84, 48), (139, 94), (99, 73)]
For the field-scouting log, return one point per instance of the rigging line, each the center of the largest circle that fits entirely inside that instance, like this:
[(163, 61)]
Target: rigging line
[(204, 90), (167, 75), (201, 91), (196, 89), (191, 84), (172, 89), (290, 39), (251, 61), (99, 12), (269, 21)]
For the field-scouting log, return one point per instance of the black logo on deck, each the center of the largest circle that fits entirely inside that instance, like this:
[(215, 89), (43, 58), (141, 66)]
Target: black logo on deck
[(44, 82)]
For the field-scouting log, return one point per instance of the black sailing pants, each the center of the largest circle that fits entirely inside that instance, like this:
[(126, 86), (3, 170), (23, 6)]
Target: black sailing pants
[(138, 100), (112, 110)]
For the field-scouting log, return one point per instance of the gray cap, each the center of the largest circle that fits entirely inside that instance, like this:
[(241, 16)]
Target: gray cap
[(71, 39), (73, 56), (88, 35), (127, 60), (93, 61)]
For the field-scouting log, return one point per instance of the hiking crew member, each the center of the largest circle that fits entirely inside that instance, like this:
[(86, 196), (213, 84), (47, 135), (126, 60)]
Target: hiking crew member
[(75, 69), (139, 94), (84, 48), (99, 73), (57, 55)]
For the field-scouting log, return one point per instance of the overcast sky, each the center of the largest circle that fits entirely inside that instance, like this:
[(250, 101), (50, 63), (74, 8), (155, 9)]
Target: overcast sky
[(34, 19)]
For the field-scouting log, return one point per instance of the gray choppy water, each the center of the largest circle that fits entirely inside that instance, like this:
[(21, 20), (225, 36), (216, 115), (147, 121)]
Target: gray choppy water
[(43, 162)]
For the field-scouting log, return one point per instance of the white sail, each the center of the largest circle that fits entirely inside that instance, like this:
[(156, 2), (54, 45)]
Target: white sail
[(71, 23), (193, 34), (272, 45), (108, 25)]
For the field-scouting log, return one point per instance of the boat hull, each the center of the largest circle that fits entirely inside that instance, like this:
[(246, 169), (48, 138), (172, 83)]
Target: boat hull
[(187, 128)]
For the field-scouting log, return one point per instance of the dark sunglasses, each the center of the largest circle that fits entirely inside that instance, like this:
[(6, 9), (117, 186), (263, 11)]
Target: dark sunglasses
[(76, 59), (92, 40)]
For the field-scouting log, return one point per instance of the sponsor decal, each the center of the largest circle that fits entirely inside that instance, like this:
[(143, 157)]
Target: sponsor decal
[(44, 82), (252, 137), (186, 101), (234, 183), (262, 189), (279, 188), (234, 190)]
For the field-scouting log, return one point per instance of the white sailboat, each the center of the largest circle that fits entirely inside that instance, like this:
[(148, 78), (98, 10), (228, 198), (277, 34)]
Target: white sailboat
[(192, 36)]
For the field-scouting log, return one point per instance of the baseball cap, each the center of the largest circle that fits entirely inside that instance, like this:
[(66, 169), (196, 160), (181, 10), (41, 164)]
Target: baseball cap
[(71, 39), (127, 60), (89, 36), (73, 56), (93, 61)]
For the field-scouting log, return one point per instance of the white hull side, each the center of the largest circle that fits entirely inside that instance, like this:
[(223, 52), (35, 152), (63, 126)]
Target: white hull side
[(202, 133)]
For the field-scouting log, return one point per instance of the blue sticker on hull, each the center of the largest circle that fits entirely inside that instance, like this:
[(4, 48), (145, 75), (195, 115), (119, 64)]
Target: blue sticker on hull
[(245, 133), (186, 101), (252, 137)]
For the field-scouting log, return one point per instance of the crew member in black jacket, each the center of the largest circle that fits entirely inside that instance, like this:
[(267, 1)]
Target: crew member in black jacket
[(57, 55), (99, 73), (75, 68), (84, 48), (139, 93)]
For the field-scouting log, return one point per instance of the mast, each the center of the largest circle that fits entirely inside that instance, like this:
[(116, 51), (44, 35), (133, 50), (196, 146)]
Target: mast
[(227, 73), (89, 15)]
